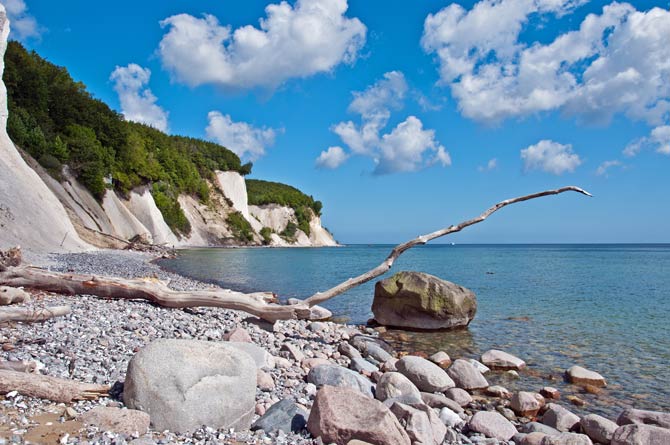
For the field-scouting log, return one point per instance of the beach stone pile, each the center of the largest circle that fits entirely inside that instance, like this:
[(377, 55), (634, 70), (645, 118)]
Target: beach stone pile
[(205, 376)]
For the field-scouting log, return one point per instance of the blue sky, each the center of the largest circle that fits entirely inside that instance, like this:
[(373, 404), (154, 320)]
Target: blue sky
[(402, 117)]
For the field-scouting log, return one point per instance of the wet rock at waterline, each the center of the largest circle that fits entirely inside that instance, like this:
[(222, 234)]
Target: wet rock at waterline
[(636, 434), (640, 416), (582, 376), (184, 384), (466, 376), (426, 375), (421, 301)]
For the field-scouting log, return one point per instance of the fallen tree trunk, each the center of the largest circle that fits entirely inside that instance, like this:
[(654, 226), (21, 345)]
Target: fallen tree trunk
[(50, 388), (31, 315), (257, 304)]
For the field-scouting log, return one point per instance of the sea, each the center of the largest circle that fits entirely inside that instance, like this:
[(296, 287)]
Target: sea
[(605, 307)]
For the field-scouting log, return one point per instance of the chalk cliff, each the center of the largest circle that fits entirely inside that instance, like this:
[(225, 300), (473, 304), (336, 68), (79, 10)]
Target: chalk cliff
[(30, 214), (42, 213)]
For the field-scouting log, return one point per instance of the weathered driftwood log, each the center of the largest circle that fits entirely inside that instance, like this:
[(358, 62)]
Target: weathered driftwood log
[(257, 304), (31, 315), (51, 388), (11, 295), (20, 366)]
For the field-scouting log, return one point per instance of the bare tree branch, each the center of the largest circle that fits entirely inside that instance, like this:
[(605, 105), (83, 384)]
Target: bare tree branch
[(32, 315), (51, 388), (320, 297), (259, 304)]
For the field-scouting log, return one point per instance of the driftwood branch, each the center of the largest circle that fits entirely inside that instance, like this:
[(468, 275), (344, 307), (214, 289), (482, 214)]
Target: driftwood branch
[(151, 290), (31, 315), (320, 297), (258, 304), (50, 388)]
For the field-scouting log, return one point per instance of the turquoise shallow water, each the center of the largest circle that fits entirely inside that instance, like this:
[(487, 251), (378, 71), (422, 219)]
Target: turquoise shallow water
[(605, 307)]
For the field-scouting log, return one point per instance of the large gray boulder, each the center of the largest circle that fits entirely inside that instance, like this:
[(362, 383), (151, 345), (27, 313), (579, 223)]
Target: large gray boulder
[(656, 418), (566, 439), (466, 376), (496, 359), (638, 434), (492, 424), (560, 418), (394, 384), (426, 375), (184, 384), (422, 425), (598, 428), (421, 301), (334, 375)]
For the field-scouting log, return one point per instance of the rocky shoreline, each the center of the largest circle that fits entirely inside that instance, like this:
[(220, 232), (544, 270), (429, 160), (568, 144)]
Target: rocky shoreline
[(330, 369)]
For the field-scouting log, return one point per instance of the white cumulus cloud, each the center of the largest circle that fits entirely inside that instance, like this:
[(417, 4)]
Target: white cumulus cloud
[(407, 147), (615, 62), (138, 104), (240, 137), (550, 157), (299, 40), (658, 140), (23, 25), (605, 166), (331, 158), (660, 137), (491, 165), (374, 105)]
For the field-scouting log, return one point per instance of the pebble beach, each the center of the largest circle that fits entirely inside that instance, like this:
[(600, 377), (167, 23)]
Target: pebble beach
[(96, 341)]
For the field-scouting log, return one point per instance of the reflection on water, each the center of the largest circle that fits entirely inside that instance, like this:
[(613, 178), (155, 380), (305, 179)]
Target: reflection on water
[(604, 307)]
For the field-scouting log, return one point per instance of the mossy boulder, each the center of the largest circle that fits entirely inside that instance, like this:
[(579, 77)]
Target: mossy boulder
[(418, 300)]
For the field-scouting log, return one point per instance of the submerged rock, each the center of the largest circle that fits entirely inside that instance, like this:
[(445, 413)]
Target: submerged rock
[(582, 376), (496, 359), (421, 301)]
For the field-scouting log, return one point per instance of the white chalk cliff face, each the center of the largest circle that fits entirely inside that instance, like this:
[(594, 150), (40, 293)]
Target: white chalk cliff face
[(235, 189), (39, 213), (30, 214), (277, 217)]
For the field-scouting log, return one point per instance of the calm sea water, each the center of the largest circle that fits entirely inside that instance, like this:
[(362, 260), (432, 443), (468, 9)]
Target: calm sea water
[(605, 307)]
